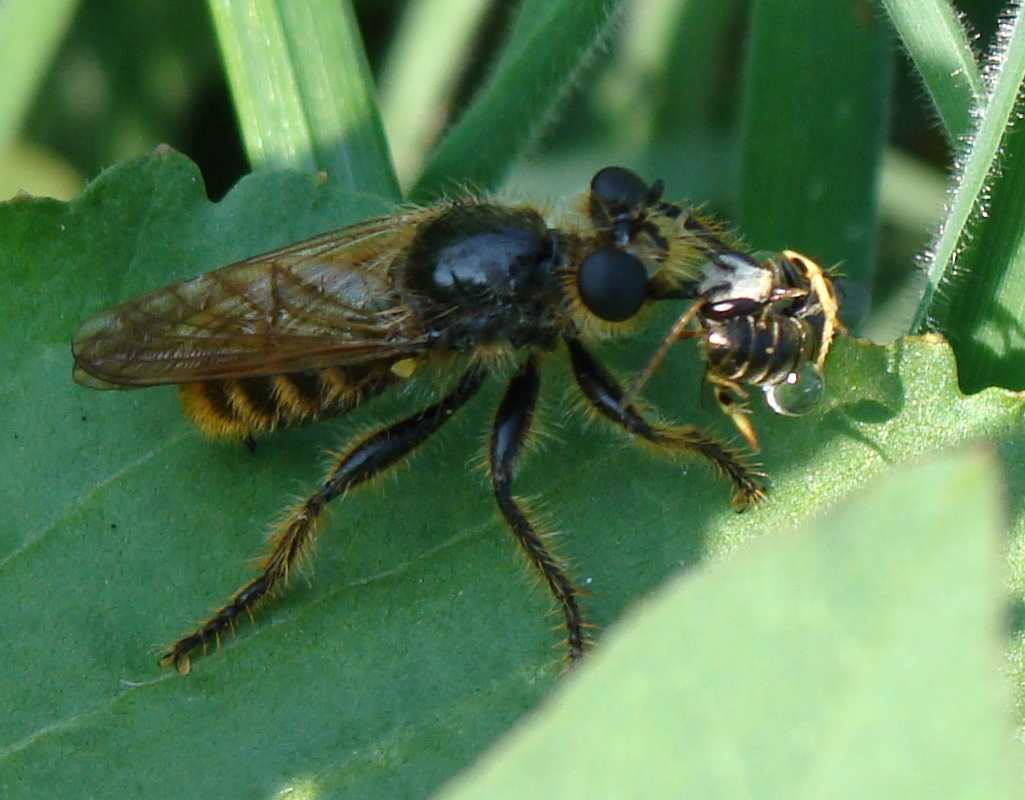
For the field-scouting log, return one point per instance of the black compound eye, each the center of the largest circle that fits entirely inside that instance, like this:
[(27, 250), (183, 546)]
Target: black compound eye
[(612, 284), (617, 190)]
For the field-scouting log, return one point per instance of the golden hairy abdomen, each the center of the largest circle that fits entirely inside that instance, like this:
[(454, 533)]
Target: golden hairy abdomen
[(237, 408)]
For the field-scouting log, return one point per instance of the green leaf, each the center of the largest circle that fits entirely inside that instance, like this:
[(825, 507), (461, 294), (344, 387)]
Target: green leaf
[(420, 639), (550, 42), (858, 659), (812, 135), (303, 90)]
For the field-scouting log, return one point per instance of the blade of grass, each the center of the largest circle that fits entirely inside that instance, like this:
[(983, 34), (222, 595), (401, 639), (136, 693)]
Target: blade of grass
[(935, 39), (30, 31), (975, 292), (813, 121), (303, 91), (424, 64), (690, 106), (911, 197), (550, 42), (650, 91)]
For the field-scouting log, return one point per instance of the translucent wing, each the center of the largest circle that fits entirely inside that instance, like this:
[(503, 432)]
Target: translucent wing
[(328, 301)]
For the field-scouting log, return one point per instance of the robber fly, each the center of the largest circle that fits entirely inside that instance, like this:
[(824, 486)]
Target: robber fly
[(315, 329)]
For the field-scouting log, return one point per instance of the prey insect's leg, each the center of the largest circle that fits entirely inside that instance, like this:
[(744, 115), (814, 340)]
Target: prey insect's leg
[(732, 400), (604, 393), (676, 333), (511, 429), (367, 459)]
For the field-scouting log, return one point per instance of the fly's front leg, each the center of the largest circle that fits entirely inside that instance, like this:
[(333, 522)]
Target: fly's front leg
[(511, 430), (294, 536), (605, 395)]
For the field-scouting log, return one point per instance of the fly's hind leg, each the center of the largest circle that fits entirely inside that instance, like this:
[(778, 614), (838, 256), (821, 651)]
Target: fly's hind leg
[(366, 459), (511, 430), (605, 395)]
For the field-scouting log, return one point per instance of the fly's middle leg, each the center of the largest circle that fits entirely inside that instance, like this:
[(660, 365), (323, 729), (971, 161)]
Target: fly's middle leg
[(511, 430)]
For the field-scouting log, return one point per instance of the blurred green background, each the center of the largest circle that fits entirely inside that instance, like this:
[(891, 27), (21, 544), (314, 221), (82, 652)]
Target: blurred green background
[(126, 75)]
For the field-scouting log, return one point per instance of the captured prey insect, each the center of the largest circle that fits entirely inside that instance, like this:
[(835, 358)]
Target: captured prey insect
[(768, 324), (315, 329)]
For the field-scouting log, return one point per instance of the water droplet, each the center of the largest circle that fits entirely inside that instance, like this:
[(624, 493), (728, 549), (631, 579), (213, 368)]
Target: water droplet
[(797, 393)]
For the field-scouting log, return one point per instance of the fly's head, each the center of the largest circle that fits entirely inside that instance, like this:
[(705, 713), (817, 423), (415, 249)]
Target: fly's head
[(634, 249)]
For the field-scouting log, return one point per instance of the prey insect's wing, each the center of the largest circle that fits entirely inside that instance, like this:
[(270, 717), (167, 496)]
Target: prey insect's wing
[(327, 301)]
